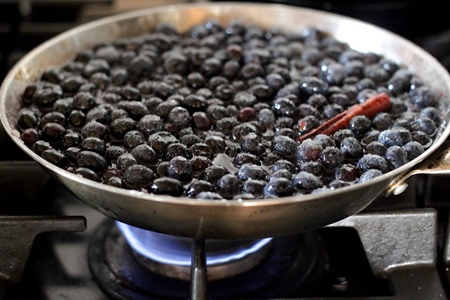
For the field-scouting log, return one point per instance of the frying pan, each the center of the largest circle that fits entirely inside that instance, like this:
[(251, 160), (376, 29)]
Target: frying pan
[(212, 219)]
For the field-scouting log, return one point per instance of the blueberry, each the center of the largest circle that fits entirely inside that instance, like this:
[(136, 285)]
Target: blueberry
[(280, 187), (94, 129), (246, 114), (360, 124), (99, 114), (228, 186), (190, 139), (376, 147), (198, 186), (369, 174), (224, 92), (87, 173), (125, 161), (331, 158), (312, 55), (53, 117), (133, 138), (347, 172), (251, 143), (150, 124), (376, 73), (252, 171), (113, 152), (245, 158), (284, 146), (167, 186), (424, 124), (254, 186), (163, 109), (215, 143), (282, 173), (372, 161), (396, 156), (46, 96), (29, 136), (160, 140), (175, 62), (284, 107), (179, 116), (225, 124), (369, 137), (180, 168), (308, 150), (53, 132), (305, 110), (333, 74), (313, 167), (421, 137), (55, 157), (119, 76), (177, 149), (213, 173), (244, 99), (332, 110), (63, 106), (135, 109), (413, 149), (312, 85), (283, 164), (306, 181), (431, 112), (94, 144), (216, 112), (395, 137), (138, 176), (354, 68), (200, 162), (306, 124), (287, 132), (83, 101), (201, 149), (91, 160), (145, 155), (140, 66), (251, 70), (71, 154), (275, 81), (324, 140), (382, 121), (422, 97), (351, 148), (317, 101), (242, 130)]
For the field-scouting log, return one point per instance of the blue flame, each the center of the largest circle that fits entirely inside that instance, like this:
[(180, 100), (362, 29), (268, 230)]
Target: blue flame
[(176, 250)]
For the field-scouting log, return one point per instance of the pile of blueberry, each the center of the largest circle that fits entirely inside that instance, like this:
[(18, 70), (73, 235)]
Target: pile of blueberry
[(216, 112)]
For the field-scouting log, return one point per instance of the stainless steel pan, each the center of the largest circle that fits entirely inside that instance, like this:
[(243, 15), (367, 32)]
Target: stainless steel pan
[(227, 219)]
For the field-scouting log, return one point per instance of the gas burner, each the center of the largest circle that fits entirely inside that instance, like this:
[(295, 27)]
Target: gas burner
[(292, 265), (171, 256)]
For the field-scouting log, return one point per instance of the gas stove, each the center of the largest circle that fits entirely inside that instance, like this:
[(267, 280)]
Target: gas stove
[(52, 246), (55, 247)]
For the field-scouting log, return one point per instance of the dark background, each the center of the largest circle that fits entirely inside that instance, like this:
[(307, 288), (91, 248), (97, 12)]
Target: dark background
[(24, 24)]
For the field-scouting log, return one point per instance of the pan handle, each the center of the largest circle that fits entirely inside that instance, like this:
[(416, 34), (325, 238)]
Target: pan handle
[(438, 163)]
